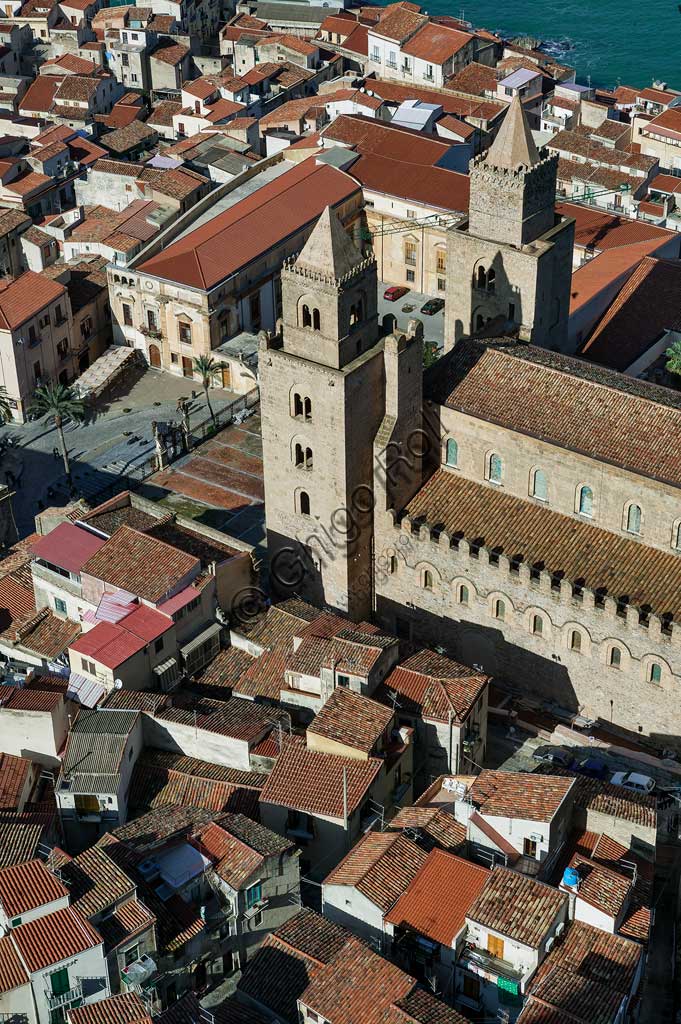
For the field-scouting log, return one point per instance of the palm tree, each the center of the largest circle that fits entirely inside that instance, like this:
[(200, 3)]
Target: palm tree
[(673, 355), (59, 403), (207, 369), (5, 407)]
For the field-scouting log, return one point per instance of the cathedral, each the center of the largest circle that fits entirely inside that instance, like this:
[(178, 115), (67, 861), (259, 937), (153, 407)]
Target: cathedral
[(517, 506)]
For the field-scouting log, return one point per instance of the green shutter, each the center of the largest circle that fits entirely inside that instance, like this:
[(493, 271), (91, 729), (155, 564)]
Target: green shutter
[(60, 981)]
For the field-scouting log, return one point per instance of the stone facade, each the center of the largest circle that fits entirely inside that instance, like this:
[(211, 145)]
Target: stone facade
[(512, 259)]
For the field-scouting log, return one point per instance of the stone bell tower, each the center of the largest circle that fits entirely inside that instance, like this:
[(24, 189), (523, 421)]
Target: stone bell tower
[(512, 259), (322, 395)]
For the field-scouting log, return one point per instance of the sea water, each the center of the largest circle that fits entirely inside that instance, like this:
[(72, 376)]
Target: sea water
[(612, 41)]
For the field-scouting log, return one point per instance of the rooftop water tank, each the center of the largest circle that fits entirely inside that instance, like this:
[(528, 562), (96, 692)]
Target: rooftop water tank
[(571, 878)]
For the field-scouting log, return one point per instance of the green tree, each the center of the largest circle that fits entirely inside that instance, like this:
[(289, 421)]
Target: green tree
[(5, 407), (673, 355), (208, 369), (60, 404), (430, 354)]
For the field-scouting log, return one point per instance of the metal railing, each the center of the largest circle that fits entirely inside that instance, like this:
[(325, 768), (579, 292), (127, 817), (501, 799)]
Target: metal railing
[(56, 999)]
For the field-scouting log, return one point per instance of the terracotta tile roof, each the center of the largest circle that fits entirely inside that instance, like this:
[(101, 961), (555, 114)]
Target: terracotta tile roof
[(436, 43), (163, 113), (600, 886), (76, 87), (125, 1008), (39, 96), (420, 1006), (237, 718), (128, 170), (584, 408), (161, 779), (20, 699), (352, 720), (25, 887), (22, 834), (10, 220), (597, 230), (240, 235), (460, 106), (437, 900), (601, 969), (399, 23), (357, 987), (73, 63), (400, 162), (124, 139), (646, 308), (226, 670), (25, 297), (435, 827), (14, 772), (56, 937), (128, 920), (12, 971), (170, 52), (294, 110), (357, 41), (95, 881), (264, 676), (517, 906), (381, 866), (140, 564), (313, 782), (290, 42), (614, 801), (280, 623), (233, 860), (518, 795), (278, 973), (436, 685), (578, 142), (176, 182)]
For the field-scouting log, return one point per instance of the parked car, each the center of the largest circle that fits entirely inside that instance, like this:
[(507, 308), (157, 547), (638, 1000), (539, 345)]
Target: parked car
[(552, 755), (592, 767), (394, 292), (432, 306), (635, 781)]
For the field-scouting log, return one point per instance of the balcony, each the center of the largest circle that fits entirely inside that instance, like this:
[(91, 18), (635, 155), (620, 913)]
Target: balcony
[(150, 332), (55, 1000), (479, 961)]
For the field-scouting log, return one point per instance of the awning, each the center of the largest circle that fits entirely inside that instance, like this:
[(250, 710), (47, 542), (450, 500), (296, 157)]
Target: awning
[(104, 370), (201, 639), (84, 690), (167, 673)]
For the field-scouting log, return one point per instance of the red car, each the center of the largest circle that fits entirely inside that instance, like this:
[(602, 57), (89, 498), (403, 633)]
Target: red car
[(394, 293)]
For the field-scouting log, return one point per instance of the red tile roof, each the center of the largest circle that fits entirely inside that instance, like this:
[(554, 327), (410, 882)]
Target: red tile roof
[(350, 719), (27, 296), (313, 782), (12, 971), (667, 124), (25, 887), (111, 644), (438, 685), (140, 564), (646, 308), (381, 866), (39, 96), (68, 546), (50, 940), (436, 43), (125, 1008), (252, 227), (437, 900), (14, 772), (598, 230), (517, 906), (518, 795)]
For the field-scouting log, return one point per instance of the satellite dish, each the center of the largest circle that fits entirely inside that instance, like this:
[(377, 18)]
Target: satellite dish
[(118, 684)]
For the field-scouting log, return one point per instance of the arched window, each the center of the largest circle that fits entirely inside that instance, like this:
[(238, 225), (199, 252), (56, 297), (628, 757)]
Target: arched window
[(586, 501), (576, 641), (304, 500), (308, 458), (615, 659), (307, 406), (537, 625), (479, 322), (676, 536), (540, 485), (491, 277), (354, 317), (315, 320), (495, 468), (634, 519), (307, 319), (297, 405), (654, 672), (392, 565), (298, 455), (499, 609), (452, 452), (462, 594), (481, 280), (427, 579)]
